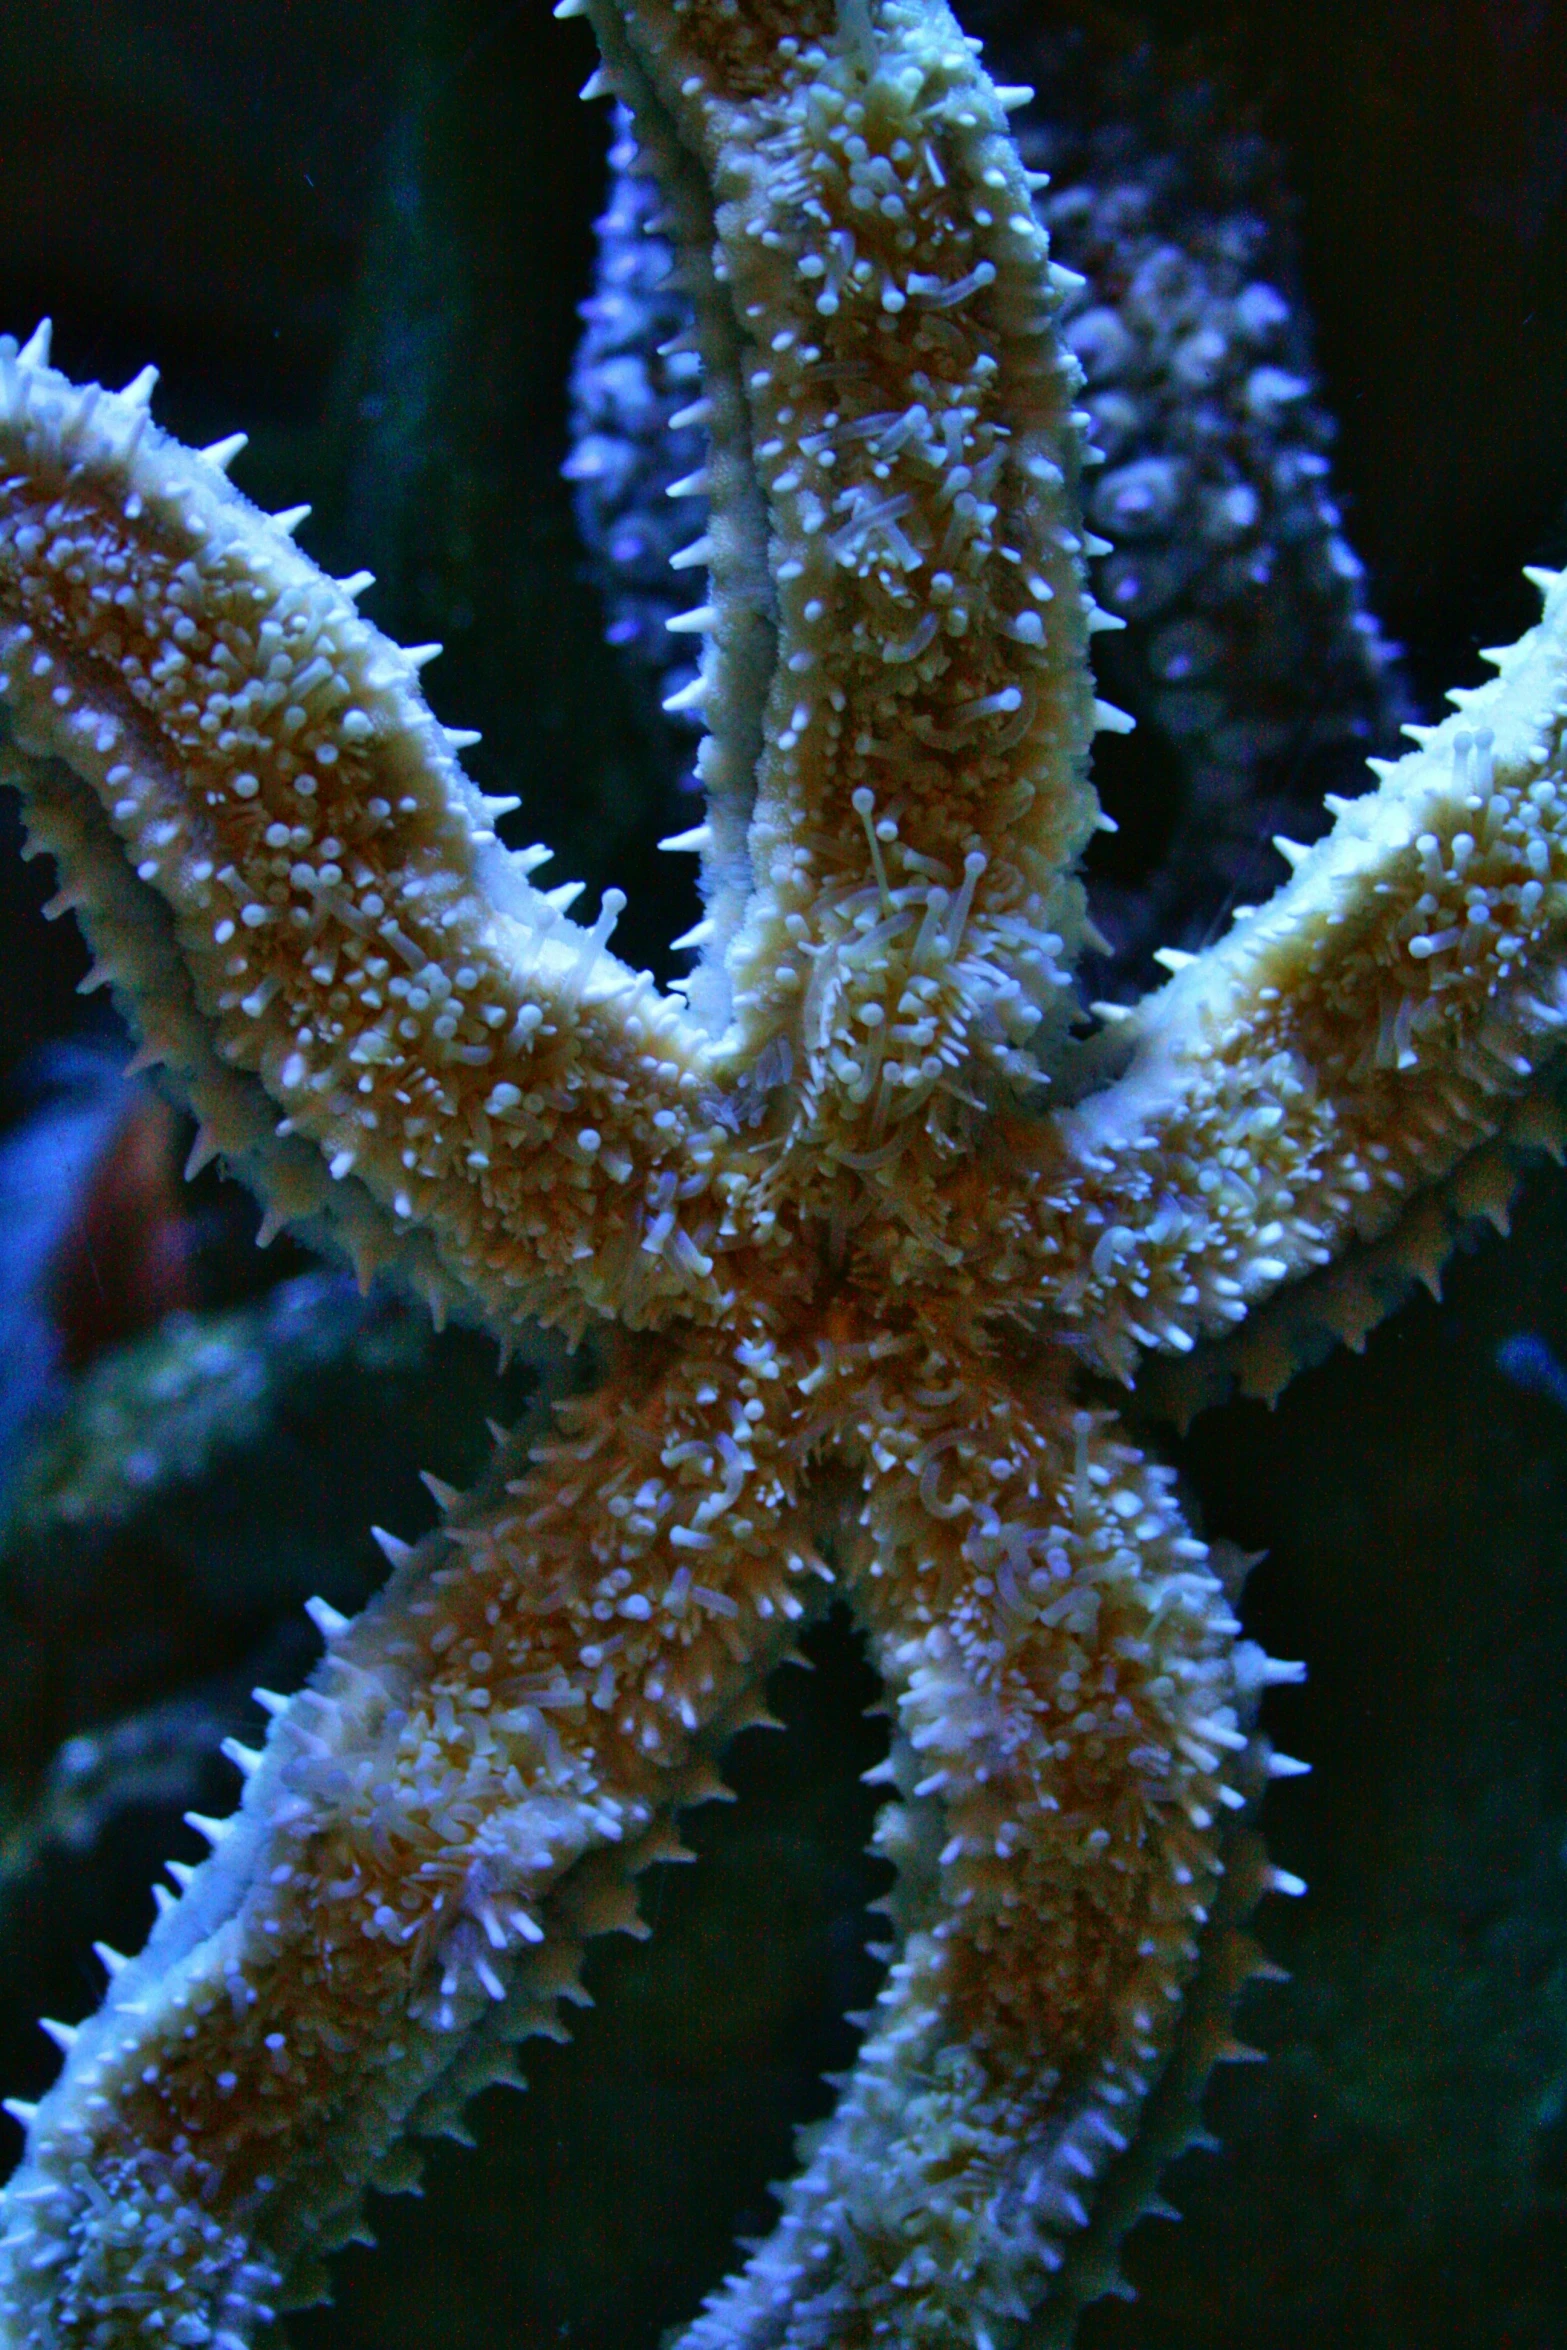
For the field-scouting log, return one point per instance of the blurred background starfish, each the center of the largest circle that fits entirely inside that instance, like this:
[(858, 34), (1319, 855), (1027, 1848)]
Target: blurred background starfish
[(424, 358)]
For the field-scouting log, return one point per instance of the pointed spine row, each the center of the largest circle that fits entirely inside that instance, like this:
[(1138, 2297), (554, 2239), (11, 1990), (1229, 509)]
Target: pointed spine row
[(1074, 1751), (1347, 1047), (313, 901), (909, 417), (462, 1793)]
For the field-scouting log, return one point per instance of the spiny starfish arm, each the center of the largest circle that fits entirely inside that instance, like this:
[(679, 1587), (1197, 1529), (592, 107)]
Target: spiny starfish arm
[(1344, 1049), (436, 1822), (888, 372), (133, 939), (1345, 1302), (1070, 1734), (300, 848)]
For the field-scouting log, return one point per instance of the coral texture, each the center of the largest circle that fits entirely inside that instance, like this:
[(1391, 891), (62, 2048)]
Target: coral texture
[(867, 1235)]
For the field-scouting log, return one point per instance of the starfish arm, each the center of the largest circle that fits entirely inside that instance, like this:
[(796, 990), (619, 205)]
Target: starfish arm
[(436, 1822), (882, 377), (1346, 1048), (300, 894), (1070, 1734)]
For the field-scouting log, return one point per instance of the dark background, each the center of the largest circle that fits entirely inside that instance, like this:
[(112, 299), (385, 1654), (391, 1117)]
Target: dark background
[(360, 233)]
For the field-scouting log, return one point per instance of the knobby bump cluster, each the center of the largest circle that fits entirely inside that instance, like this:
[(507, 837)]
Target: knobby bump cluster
[(864, 1232)]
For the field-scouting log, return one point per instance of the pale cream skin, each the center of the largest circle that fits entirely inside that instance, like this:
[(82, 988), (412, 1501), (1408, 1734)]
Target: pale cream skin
[(851, 1267)]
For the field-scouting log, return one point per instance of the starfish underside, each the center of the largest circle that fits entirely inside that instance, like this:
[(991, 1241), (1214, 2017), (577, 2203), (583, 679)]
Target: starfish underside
[(865, 1235)]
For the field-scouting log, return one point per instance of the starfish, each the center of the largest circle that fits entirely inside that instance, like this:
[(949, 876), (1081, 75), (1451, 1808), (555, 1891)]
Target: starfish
[(864, 1236), (1216, 484)]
